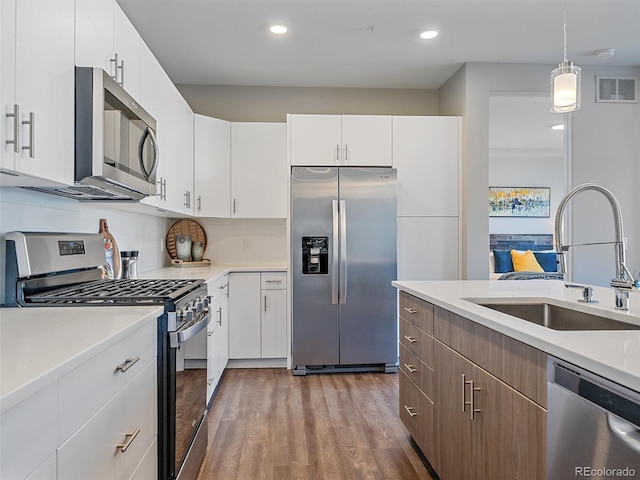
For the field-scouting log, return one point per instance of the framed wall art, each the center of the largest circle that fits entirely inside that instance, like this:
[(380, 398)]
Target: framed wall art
[(519, 201)]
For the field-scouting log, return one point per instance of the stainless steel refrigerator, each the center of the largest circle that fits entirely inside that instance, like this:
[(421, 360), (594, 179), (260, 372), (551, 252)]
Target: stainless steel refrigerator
[(343, 248)]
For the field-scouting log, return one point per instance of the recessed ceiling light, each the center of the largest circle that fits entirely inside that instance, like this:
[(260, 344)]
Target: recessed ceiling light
[(428, 34), (278, 29), (558, 126)]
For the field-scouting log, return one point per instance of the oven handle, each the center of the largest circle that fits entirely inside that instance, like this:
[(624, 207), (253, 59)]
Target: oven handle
[(178, 338)]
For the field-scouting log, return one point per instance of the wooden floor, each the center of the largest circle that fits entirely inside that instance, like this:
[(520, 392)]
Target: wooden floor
[(266, 424)]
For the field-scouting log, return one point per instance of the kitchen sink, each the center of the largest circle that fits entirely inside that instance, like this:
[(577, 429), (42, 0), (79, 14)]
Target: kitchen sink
[(559, 318)]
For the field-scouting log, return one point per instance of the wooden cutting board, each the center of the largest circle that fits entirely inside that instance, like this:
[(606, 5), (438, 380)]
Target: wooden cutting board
[(111, 249)]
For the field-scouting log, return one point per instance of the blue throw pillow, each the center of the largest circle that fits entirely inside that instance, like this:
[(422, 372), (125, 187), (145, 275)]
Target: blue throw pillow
[(502, 261), (547, 261)]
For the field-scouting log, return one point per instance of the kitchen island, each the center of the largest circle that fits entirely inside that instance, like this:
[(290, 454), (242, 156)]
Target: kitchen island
[(473, 389)]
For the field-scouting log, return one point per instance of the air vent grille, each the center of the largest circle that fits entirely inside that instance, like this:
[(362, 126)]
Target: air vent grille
[(616, 89)]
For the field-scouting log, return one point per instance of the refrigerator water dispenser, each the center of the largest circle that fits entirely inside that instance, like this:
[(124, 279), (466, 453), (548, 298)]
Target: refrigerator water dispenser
[(315, 255)]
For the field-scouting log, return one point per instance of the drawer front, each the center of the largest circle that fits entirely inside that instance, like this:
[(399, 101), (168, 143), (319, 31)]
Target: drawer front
[(219, 288), (417, 371), (416, 412), (273, 280), (28, 433), (417, 342), (86, 389), (417, 311), (92, 451)]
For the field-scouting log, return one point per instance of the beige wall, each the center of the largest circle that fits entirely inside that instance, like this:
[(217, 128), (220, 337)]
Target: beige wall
[(271, 104)]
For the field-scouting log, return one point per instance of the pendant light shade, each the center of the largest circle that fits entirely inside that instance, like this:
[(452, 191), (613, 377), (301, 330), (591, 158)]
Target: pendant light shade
[(565, 88), (565, 81)]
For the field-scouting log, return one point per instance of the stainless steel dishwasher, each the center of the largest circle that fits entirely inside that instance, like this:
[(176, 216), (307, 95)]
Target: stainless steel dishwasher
[(593, 425)]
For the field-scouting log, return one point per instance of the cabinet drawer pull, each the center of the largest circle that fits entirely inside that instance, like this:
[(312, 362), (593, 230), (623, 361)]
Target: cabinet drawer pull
[(410, 368), (410, 411), (273, 281), (128, 363), (411, 339), (123, 446), (210, 381), (16, 128), (410, 310)]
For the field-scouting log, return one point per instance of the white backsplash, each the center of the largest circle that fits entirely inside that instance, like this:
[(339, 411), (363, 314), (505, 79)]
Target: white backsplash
[(238, 241), (243, 241)]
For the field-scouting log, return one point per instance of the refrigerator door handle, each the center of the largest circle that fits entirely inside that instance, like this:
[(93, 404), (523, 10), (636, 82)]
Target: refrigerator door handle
[(334, 255), (343, 251)]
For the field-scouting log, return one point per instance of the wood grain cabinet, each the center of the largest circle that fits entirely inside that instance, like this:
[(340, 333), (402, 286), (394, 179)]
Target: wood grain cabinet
[(473, 399)]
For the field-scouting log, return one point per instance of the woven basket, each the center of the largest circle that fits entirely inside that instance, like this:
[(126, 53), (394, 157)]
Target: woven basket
[(184, 227)]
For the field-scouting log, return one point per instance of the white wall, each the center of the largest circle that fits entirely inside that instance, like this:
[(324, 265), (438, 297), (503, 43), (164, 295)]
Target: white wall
[(271, 104), (605, 149), (24, 210)]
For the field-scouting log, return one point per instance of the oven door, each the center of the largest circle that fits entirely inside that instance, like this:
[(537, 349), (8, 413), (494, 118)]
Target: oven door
[(189, 409)]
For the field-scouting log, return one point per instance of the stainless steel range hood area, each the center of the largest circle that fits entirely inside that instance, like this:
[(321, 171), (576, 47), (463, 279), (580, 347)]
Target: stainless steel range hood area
[(116, 152)]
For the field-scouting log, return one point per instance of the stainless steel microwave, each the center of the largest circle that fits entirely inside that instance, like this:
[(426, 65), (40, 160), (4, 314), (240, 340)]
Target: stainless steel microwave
[(116, 151)]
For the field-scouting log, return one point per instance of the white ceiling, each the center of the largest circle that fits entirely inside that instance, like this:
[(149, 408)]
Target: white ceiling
[(226, 42)]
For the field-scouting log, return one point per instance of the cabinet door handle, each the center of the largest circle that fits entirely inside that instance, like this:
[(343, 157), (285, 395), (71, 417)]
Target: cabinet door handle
[(410, 310), (128, 363), (16, 128), (338, 153), (234, 205), (32, 127), (186, 199), (220, 316), (410, 368), (411, 339), (210, 381), (199, 202), (346, 153), (117, 67), (471, 403), (227, 285), (265, 303), (410, 411), (472, 400), (209, 333), (129, 437)]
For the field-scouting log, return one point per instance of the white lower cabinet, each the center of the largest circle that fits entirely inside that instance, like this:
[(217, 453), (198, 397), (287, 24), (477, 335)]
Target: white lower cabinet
[(28, 434), (98, 421), (217, 334), (111, 444), (257, 315)]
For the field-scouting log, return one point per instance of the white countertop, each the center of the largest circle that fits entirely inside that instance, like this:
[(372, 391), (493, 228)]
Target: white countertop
[(39, 345), (611, 354)]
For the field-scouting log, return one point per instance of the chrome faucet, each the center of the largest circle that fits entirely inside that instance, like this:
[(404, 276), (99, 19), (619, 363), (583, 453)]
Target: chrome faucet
[(623, 282)]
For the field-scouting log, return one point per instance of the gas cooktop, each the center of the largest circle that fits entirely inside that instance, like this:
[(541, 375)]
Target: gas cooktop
[(109, 292)]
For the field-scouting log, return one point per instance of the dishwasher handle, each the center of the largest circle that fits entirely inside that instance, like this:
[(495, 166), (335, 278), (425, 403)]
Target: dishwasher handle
[(627, 433)]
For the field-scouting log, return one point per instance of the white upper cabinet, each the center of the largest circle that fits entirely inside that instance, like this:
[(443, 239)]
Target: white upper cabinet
[(37, 92), (212, 167), (315, 139), (105, 38), (347, 140), (426, 152), (366, 140), (258, 170)]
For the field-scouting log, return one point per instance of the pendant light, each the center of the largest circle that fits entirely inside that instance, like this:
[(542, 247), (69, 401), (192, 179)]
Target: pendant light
[(565, 81)]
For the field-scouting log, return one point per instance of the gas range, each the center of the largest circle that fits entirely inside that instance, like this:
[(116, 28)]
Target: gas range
[(67, 269)]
